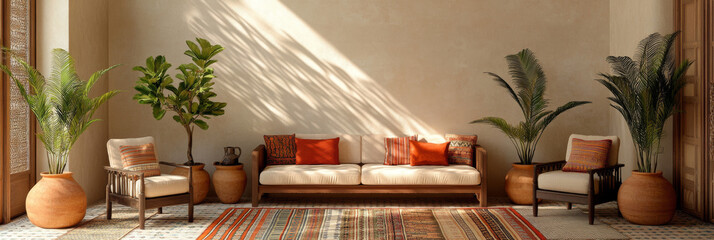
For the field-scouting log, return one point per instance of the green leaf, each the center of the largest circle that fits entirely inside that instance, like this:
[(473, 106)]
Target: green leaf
[(158, 112), (201, 124)]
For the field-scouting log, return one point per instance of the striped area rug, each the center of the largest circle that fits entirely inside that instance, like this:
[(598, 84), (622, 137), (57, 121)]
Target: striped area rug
[(370, 223)]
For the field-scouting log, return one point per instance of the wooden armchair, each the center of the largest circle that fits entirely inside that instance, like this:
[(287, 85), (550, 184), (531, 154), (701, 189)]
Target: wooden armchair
[(594, 187), (133, 189)]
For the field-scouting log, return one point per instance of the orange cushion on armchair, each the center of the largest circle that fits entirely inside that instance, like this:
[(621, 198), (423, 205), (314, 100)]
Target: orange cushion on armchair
[(317, 151), (586, 155), (421, 153)]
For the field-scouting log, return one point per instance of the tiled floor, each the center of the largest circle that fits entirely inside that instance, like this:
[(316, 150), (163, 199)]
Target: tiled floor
[(173, 225)]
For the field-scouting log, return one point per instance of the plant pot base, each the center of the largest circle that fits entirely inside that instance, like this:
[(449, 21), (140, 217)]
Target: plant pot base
[(201, 181), (56, 201), (647, 199), (519, 184)]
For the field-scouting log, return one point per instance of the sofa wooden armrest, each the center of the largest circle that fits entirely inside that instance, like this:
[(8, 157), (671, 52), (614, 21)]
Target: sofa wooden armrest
[(257, 166), (480, 163)]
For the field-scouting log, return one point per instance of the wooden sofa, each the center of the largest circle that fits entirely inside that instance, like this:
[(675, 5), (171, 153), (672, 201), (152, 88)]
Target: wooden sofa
[(354, 152)]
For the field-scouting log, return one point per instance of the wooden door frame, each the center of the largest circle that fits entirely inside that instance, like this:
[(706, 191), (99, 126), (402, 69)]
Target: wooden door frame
[(5, 182)]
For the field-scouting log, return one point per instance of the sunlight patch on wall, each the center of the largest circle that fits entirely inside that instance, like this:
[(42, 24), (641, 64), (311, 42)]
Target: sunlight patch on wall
[(289, 76)]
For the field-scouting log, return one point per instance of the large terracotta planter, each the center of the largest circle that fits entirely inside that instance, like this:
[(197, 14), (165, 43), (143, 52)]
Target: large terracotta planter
[(56, 201), (201, 181), (647, 199), (519, 183), (229, 182)]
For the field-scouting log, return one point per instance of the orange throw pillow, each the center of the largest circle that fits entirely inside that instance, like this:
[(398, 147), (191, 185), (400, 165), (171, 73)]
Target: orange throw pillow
[(317, 151), (140, 158), (586, 155), (421, 153)]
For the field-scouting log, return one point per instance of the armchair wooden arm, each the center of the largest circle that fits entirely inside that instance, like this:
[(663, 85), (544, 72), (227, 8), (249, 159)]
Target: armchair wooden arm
[(122, 181), (610, 180), (547, 167)]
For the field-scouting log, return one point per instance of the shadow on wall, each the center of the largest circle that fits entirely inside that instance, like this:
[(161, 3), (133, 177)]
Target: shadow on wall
[(287, 88)]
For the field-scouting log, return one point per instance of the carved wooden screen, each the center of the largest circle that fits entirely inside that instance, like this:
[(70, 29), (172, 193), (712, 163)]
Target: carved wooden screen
[(18, 122)]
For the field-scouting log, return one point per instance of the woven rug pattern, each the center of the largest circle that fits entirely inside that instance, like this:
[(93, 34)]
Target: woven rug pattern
[(384, 223)]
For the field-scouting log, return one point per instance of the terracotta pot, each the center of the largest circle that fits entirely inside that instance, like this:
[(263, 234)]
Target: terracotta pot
[(519, 183), (201, 181), (56, 201), (229, 182), (647, 199)]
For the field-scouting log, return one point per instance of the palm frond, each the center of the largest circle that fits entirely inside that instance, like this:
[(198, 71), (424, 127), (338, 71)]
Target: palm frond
[(61, 105), (529, 93), (644, 91)]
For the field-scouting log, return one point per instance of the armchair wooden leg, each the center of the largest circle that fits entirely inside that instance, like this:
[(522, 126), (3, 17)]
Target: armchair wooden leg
[(535, 207), (570, 206), (591, 213), (190, 210), (161, 210), (109, 207), (142, 217)]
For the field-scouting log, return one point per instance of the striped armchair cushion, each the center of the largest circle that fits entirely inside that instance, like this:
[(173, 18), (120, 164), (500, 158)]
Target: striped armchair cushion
[(140, 158)]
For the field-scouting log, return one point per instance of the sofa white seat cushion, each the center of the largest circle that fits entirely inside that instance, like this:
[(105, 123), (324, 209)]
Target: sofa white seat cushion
[(342, 174), (164, 185), (379, 174), (569, 182)]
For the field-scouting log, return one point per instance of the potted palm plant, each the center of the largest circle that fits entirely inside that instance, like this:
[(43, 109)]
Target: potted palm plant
[(645, 93), (189, 101), (530, 95), (64, 111)]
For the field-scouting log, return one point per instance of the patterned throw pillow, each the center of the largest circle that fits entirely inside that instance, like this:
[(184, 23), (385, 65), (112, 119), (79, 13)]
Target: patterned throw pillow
[(140, 158), (461, 148), (396, 150), (586, 155), (280, 148)]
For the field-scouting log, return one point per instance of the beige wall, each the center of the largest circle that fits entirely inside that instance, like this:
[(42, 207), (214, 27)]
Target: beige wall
[(53, 27), (363, 67), (80, 26), (630, 22), (88, 45)]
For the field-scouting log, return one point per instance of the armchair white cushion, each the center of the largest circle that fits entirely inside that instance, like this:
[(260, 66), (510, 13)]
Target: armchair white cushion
[(164, 185), (569, 182)]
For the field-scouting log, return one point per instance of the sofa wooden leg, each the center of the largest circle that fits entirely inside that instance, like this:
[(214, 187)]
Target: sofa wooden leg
[(570, 206), (160, 210), (591, 213), (255, 199), (535, 207), (482, 199)]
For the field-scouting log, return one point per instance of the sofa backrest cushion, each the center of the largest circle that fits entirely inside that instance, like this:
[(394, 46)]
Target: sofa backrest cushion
[(373, 148), (431, 138), (349, 145)]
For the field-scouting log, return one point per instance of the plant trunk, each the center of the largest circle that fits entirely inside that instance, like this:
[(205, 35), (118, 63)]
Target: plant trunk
[(189, 131)]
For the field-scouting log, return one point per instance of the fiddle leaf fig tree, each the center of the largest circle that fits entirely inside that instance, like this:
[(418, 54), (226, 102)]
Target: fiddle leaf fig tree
[(190, 100)]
